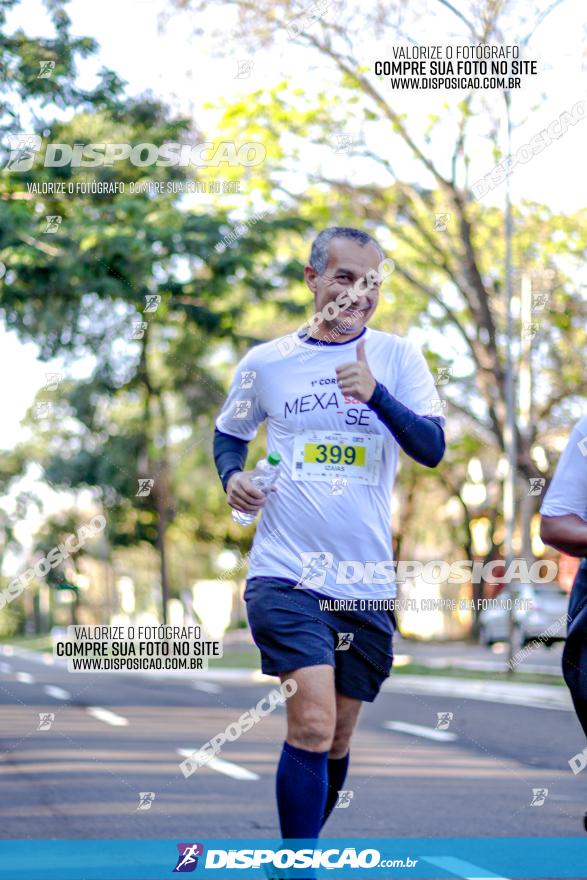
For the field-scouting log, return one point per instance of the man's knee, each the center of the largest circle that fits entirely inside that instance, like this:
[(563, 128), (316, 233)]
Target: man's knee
[(341, 742), (312, 728), (346, 721)]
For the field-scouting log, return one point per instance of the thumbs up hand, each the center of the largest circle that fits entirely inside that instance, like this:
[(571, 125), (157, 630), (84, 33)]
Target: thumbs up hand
[(355, 378)]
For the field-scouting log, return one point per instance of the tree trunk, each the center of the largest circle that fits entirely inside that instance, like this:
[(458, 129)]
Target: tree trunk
[(162, 501)]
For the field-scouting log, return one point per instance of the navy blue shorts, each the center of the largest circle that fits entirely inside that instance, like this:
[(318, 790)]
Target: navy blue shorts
[(292, 631)]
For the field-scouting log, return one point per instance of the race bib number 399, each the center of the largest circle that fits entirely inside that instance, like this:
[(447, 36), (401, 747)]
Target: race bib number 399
[(321, 455)]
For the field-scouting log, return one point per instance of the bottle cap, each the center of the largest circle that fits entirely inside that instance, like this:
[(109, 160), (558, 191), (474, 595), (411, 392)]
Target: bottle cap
[(274, 458)]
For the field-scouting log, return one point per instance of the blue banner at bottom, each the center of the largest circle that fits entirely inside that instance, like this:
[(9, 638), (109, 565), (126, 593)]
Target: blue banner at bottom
[(497, 858)]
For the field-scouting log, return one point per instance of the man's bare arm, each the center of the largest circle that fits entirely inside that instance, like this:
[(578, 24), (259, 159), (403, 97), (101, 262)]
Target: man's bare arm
[(568, 533)]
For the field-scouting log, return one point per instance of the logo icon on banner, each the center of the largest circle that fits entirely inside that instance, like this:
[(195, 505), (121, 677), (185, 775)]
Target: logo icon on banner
[(52, 223), (344, 800), (187, 860), (444, 719), (23, 149), (337, 485), (247, 378), (241, 409), (314, 568), (46, 719), (46, 68), (537, 484), (539, 796), (344, 641), (146, 799)]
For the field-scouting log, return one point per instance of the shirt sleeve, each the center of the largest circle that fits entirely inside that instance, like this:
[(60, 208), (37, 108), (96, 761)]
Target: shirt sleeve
[(243, 410), (567, 492), (230, 455), (421, 437), (415, 386)]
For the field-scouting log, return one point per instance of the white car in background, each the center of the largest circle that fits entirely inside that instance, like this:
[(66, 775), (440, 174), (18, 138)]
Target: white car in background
[(540, 612)]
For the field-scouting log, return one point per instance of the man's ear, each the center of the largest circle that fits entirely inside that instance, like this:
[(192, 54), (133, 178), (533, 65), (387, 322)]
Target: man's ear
[(310, 277)]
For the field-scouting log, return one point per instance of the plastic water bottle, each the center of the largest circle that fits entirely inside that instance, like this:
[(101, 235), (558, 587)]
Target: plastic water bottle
[(263, 477)]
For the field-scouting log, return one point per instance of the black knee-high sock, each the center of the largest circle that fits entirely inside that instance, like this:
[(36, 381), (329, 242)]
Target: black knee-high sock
[(301, 787), (337, 771)]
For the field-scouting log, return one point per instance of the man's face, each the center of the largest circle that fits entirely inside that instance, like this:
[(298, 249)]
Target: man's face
[(348, 263)]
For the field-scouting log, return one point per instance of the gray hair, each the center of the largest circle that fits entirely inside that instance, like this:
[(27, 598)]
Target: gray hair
[(319, 252)]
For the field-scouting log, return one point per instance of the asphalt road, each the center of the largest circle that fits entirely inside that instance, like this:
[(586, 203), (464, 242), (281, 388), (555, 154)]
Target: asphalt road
[(81, 777)]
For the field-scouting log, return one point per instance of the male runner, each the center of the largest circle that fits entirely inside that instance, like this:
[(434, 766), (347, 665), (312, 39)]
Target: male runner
[(338, 403), (564, 526)]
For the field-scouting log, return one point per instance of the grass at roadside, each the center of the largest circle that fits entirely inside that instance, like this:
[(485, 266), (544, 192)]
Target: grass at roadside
[(241, 658), (459, 672), (31, 643)]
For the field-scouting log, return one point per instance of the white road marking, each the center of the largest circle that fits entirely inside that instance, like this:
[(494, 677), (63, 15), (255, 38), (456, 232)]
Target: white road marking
[(207, 687), (457, 866), (418, 730), (107, 716), (57, 692), (25, 678), (5, 669), (221, 766)]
